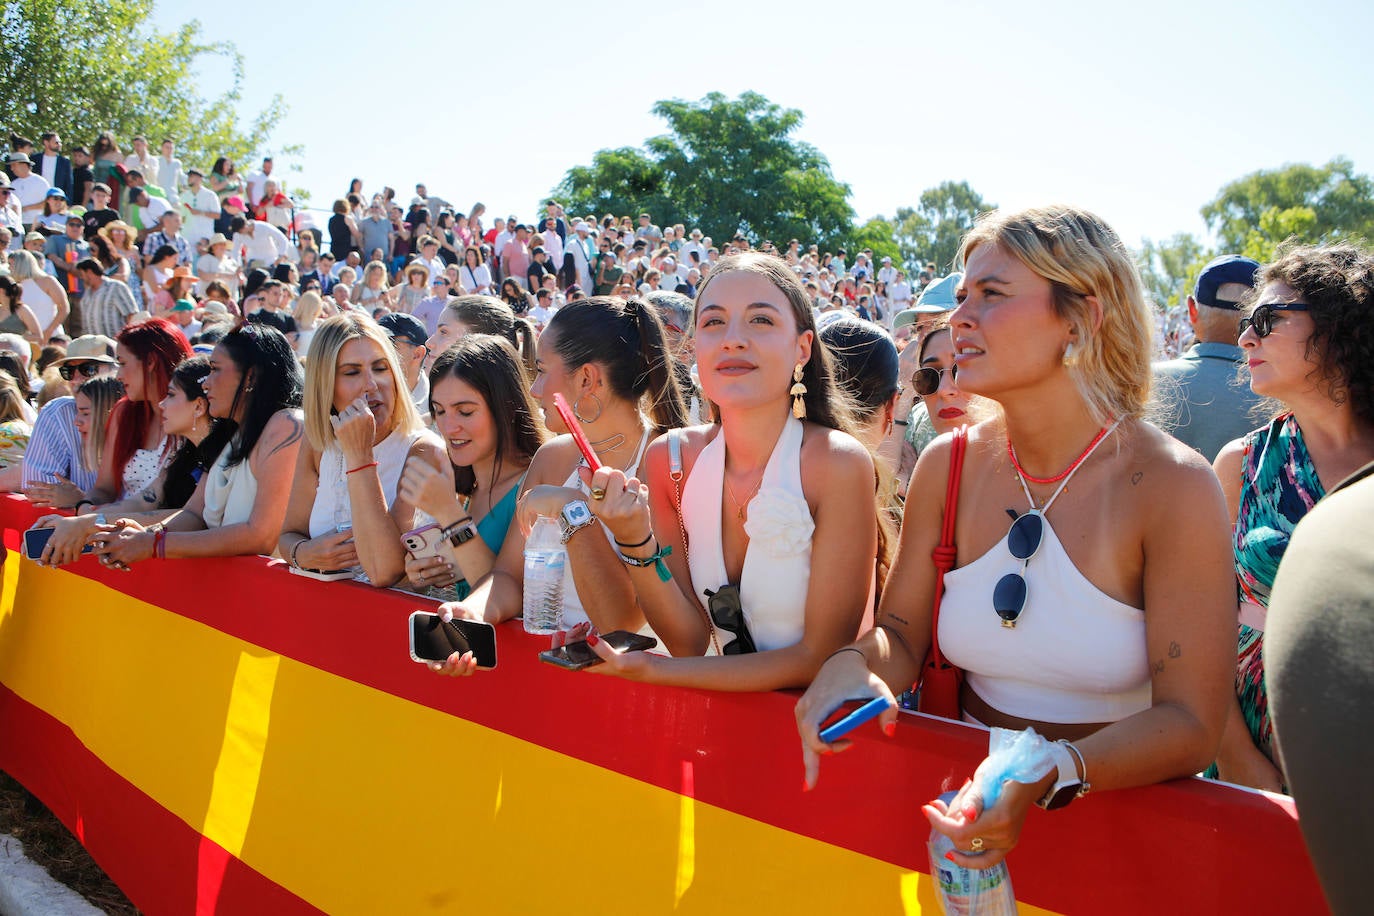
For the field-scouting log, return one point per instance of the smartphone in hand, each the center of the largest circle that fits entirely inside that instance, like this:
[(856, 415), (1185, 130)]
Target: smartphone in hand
[(578, 655), (35, 539), (432, 639)]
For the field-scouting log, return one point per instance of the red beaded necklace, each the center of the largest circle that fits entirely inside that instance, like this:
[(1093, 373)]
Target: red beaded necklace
[(1068, 470)]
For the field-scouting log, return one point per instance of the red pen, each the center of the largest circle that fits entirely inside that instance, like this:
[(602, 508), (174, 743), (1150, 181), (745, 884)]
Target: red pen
[(569, 420)]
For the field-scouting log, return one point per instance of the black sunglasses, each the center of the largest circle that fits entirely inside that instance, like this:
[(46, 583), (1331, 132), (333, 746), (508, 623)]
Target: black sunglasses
[(926, 380), (1262, 318), (68, 371), (1023, 540), (728, 614)]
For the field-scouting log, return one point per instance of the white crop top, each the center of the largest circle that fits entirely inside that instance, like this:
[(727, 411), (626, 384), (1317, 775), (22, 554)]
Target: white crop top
[(1076, 654)]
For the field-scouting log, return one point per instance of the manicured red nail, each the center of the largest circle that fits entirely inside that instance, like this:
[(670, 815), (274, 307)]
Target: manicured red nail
[(806, 786), (593, 639), (970, 812), (950, 855), (890, 729)]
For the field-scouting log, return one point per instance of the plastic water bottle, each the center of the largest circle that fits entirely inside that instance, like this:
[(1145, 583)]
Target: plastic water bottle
[(545, 560), (968, 891)]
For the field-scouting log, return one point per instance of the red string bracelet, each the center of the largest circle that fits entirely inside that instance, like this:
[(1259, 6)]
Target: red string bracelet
[(363, 467), (160, 543)]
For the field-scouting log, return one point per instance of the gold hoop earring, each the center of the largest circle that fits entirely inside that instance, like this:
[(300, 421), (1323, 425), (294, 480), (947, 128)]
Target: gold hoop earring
[(578, 413), (798, 393)]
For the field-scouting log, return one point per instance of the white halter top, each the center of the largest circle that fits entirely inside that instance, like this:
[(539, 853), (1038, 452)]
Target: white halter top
[(1076, 653)]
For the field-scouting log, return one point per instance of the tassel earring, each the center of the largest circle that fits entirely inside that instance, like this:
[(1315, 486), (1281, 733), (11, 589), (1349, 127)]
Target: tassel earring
[(798, 394)]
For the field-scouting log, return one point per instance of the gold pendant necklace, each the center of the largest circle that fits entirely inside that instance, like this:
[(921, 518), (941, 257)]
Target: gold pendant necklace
[(739, 507)]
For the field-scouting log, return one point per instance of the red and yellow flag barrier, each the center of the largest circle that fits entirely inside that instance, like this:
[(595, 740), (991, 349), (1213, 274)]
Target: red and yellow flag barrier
[(227, 738)]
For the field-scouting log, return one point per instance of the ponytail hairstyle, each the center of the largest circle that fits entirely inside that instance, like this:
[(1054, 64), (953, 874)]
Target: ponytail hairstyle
[(827, 403), (103, 391), (489, 315), (625, 338), (159, 346), (489, 365)]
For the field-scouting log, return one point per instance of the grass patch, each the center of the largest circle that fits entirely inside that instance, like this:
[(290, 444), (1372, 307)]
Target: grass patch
[(49, 844)]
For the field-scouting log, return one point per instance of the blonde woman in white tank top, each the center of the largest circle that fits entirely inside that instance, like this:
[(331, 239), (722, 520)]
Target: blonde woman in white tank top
[(1123, 641), (781, 508), (604, 356)]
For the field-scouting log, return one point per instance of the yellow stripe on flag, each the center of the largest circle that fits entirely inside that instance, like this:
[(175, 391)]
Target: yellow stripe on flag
[(362, 802)]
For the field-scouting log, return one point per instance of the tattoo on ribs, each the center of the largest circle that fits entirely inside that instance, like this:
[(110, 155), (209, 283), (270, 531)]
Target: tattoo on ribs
[(896, 618)]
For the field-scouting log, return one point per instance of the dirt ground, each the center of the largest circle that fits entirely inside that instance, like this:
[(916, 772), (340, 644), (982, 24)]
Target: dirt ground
[(49, 844)]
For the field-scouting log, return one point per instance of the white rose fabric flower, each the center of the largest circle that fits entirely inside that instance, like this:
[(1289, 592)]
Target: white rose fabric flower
[(779, 522)]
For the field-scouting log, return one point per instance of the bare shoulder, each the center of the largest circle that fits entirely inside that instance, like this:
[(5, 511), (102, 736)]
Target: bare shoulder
[(1230, 461), (554, 458), (284, 429), (827, 452), (427, 445), (1164, 471)]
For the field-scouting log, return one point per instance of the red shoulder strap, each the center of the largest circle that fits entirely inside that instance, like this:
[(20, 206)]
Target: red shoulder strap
[(944, 554)]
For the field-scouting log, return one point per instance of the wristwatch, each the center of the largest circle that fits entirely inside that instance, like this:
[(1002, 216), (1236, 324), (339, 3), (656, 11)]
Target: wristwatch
[(460, 532), (1068, 785), (573, 517)]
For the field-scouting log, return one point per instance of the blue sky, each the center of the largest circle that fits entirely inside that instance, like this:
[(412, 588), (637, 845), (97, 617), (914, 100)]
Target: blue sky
[(1138, 112)]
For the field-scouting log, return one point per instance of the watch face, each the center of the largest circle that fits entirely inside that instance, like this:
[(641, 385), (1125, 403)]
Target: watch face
[(577, 513)]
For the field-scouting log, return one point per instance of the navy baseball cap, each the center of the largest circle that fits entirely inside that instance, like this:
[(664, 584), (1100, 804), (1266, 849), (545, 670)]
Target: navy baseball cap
[(1229, 268), (406, 327)]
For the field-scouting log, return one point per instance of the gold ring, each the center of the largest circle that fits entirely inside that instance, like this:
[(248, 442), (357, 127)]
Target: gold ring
[(598, 493), (976, 844)]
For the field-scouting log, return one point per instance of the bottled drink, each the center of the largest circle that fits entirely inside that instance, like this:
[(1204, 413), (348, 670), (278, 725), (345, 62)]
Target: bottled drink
[(545, 561), (968, 891)]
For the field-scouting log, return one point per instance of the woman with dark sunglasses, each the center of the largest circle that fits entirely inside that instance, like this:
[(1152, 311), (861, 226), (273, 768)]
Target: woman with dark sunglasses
[(1308, 344), (1089, 617)]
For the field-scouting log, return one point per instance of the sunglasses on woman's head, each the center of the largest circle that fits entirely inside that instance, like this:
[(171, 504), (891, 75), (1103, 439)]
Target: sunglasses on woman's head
[(68, 371), (926, 380), (1261, 319), (1023, 540)]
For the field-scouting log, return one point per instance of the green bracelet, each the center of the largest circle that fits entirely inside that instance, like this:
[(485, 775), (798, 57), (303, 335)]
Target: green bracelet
[(655, 560)]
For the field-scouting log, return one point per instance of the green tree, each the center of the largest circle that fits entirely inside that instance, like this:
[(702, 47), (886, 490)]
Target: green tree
[(932, 229), (876, 234), (1315, 204), (98, 65), (1169, 268), (726, 166)]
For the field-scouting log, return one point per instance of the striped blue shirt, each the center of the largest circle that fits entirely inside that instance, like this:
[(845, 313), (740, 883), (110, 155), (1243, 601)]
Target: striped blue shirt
[(55, 447)]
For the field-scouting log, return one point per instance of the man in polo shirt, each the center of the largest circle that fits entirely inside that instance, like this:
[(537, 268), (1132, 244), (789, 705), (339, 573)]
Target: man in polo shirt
[(428, 309), (1209, 397), (169, 233), (261, 243)]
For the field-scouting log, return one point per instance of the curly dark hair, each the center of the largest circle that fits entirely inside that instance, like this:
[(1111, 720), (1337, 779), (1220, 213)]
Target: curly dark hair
[(1337, 283)]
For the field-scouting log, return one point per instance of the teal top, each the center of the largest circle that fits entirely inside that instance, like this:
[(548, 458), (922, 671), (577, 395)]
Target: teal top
[(492, 530)]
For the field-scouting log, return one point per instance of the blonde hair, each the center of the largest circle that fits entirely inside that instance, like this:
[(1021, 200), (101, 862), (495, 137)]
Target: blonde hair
[(1081, 257), (24, 266), (103, 391), (321, 364), (308, 308), (11, 400)]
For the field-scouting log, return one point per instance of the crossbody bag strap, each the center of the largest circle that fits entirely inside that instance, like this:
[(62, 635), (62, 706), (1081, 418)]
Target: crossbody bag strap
[(944, 554), (675, 475)]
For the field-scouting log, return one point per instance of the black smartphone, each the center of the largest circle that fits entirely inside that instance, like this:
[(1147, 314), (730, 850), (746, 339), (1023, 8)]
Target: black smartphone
[(35, 539), (578, 655), (433, 640)]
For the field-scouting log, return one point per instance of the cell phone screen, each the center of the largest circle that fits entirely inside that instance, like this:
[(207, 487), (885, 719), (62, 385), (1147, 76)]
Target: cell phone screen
[(578, 655), (433, 640)]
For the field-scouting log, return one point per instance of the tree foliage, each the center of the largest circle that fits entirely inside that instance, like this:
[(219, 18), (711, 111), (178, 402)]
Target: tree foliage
[(726, 166), (931, 230), (97, 65), (1314, 204), (1169, 268)]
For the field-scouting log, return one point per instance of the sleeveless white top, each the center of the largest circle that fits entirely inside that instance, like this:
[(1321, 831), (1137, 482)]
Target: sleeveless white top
[(573, 611), (332, 508), (40, 303), (145, 464), (1076, 654), (230, 492), (777, 562)]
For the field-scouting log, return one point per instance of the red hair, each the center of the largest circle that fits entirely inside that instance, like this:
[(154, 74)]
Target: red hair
[(159, 346)]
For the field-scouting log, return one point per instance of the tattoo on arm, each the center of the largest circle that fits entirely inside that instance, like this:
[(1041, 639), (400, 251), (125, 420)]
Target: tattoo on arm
[(1158, 666), (896, 618), (297, 428), (1175, 651), (1136, 477)]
